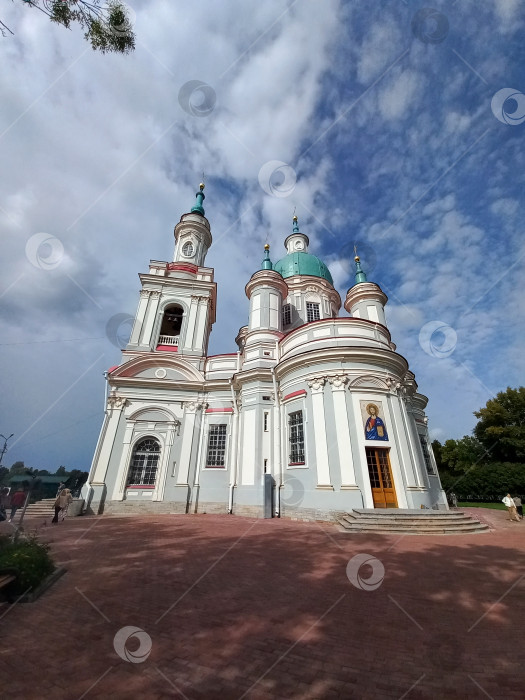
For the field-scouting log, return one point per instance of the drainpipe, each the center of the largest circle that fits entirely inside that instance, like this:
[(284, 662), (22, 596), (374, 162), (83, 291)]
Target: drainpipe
[(235, 430), (278, 466)]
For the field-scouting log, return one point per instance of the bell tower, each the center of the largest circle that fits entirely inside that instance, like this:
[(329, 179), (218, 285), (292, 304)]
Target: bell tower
[(178, 300)]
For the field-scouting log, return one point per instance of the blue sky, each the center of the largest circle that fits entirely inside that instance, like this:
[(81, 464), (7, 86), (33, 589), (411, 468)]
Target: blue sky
[(391, 138)]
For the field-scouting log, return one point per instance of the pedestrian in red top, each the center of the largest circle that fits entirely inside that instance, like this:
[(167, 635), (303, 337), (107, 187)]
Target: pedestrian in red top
[(17, 501)]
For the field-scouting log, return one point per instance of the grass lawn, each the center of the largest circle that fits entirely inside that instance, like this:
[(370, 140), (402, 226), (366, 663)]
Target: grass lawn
[(472, 504)]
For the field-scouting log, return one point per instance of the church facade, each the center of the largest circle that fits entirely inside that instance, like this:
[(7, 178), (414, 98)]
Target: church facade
[(320, 402)]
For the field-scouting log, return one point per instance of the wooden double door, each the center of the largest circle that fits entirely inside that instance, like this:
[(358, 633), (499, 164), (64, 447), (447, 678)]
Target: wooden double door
[(381, 481)]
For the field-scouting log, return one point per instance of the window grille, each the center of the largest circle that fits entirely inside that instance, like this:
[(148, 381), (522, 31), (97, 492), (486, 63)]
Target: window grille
[(296, 437), (287, 314), (143, 468), (312, 311), (216, 446)]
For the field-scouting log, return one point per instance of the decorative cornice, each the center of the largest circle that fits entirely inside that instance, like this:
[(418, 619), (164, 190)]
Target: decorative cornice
[(268, 278), (364, 291), (385, 360)]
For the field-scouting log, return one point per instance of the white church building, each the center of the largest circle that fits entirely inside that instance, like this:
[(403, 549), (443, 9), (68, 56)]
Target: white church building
[(321, 402)]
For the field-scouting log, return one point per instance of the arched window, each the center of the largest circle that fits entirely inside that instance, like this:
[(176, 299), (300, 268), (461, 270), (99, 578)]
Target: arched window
[(143, 467), (171, 325)]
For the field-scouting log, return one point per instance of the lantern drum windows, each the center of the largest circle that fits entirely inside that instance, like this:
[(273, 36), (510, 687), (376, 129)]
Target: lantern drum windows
[(312, 311)]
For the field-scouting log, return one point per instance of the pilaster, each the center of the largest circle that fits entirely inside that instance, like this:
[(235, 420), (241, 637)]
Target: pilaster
[(344, 448), (321, 448), (151, 315), (115, 406), (190, 414), (139, 318)]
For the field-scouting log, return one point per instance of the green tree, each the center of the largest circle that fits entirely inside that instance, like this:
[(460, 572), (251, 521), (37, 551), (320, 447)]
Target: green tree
[(107, 27), (61, 471), (458, 456), (501, 426), (17, 468)]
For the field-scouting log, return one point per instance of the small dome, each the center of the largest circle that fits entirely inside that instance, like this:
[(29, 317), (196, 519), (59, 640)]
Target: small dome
[(302, 264)]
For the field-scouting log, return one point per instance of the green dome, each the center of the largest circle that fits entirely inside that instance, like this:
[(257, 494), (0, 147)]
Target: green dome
[(302, 264)]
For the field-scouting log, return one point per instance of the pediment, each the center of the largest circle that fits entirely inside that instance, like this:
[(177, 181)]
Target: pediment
[(153, 414), (158, 369), (369, 382)]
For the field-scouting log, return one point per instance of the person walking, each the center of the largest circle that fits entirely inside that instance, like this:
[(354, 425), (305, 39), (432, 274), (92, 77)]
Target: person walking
[(62, 502), (61, 487), (509, 502), (519, 507), (17, 501)]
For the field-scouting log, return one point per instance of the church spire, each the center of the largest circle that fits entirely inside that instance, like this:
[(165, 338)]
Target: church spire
[(198, 208), (360, 276), (267, 263), (295, 224)]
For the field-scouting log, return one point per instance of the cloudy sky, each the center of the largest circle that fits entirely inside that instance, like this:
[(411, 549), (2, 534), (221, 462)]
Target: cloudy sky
[(392, 128)]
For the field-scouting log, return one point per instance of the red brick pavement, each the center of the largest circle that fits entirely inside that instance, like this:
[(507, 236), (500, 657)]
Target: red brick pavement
[(264, 609)]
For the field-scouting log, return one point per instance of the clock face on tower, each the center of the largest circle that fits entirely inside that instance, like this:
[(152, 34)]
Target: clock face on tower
[(188, 250)]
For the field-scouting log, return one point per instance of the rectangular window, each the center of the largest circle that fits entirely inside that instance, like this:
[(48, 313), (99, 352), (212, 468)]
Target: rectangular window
[(312, 311), (216, 446), (296, 437), (265, 421), (287, 314), (426, 454)]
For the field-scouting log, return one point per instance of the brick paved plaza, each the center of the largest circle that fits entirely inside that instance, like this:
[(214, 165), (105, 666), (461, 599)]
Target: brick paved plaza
[(264, 609)]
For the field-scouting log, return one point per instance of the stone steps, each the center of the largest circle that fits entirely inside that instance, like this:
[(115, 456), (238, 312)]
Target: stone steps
[(411, 522), (43, 508)]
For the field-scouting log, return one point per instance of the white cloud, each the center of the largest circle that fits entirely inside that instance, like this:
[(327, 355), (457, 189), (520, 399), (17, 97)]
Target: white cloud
[(505, 206), (400, 94)]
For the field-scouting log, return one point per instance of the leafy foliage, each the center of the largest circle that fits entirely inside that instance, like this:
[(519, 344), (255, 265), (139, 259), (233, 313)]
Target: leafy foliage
[(17, 468), (501, 425), (458, 456), (30, 558), (487, 482), (107, 27)]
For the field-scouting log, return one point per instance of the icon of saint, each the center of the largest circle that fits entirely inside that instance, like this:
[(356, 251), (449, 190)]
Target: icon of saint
[(375, 428)]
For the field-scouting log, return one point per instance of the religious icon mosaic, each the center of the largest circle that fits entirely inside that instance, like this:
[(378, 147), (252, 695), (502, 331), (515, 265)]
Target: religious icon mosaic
[(373, 420)]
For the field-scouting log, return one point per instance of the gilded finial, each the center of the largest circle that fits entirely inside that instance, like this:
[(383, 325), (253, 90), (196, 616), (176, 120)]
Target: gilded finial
[(267, 263), (360, 276), (201, 186)]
